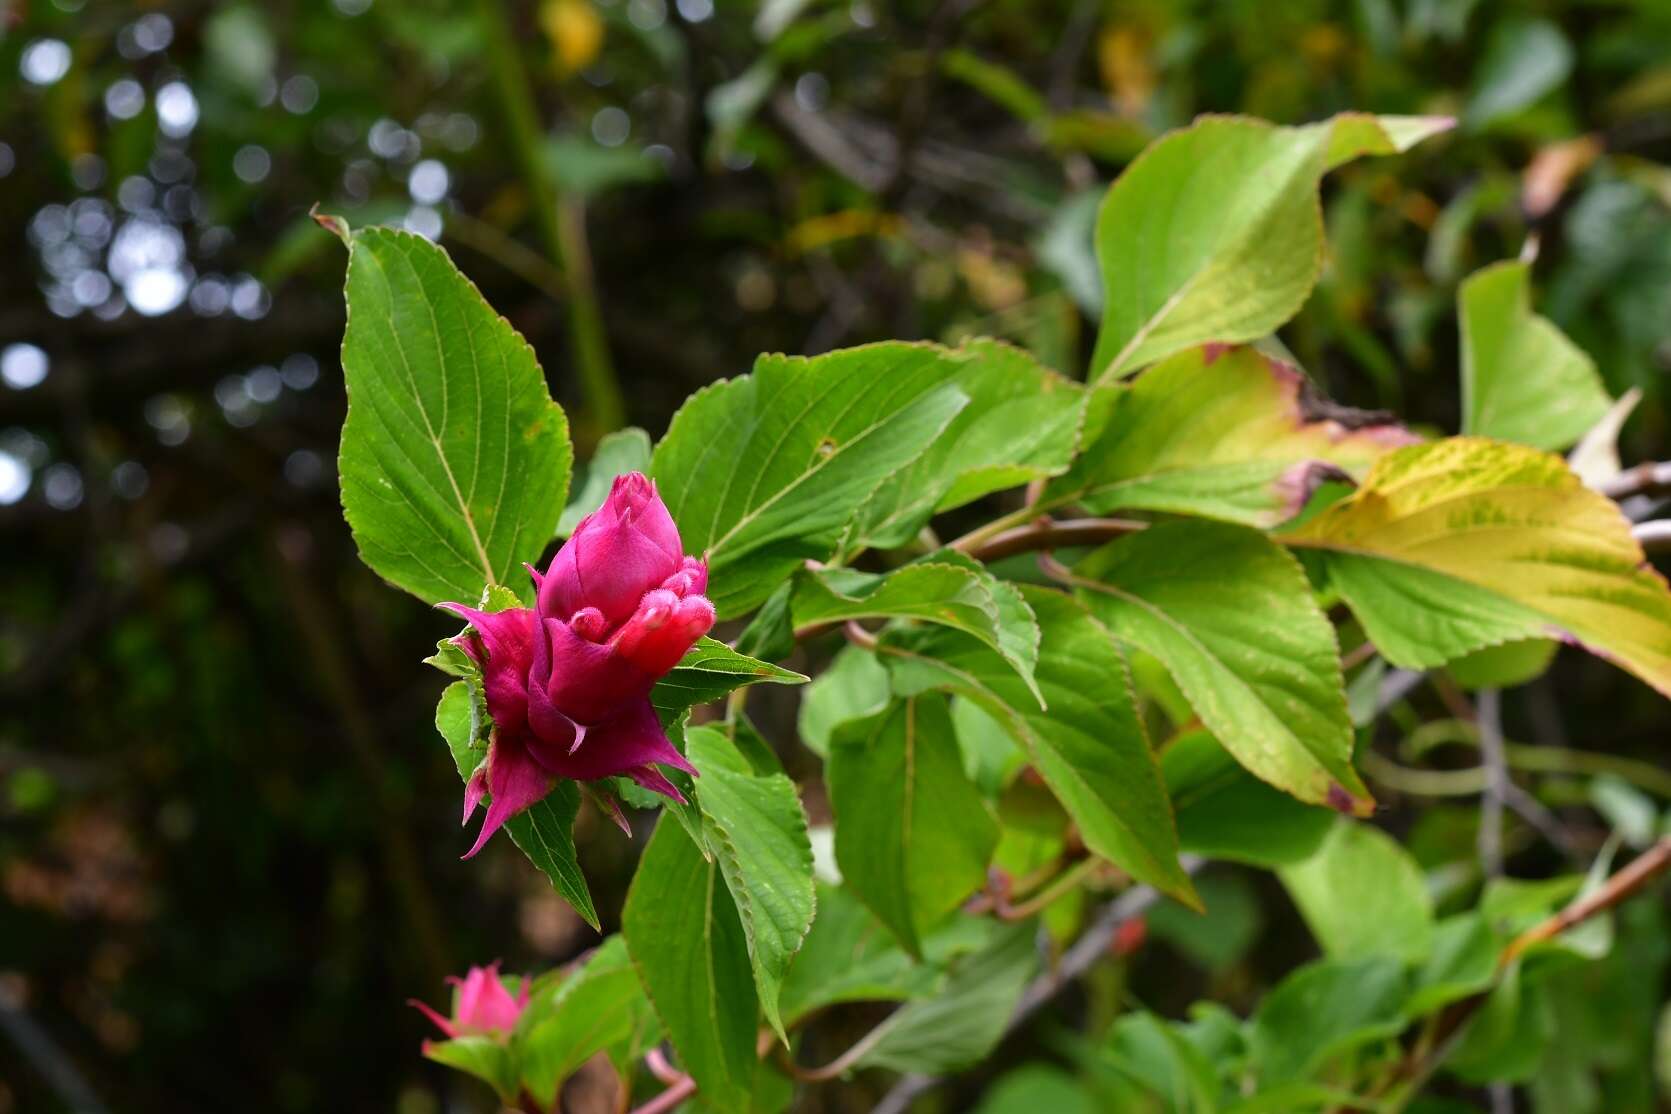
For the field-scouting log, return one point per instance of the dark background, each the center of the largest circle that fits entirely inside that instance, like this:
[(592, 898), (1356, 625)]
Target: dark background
[(228, 841)]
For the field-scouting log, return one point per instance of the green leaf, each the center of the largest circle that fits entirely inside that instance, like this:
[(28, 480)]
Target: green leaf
[(991, 756), (1000, 83), (1233, 618), (1462, 963), (1357, 134), (1631, 813), (1523, 60), (544, 830), (763, 472), (1215, 233), (959, 1026), (962, 596), (913, 837), (1504, 666), (583, 167), (687, 942), (1022, 424), (854, 686), (1224, 812), (1322, 1011), (1153, 1054), (483, 1057), (601, 1007), (454, 459), (625, 450), (1361, 894), (1510, 1034), (1232, 435), (1090, 747), (771, 633), (710, 670), (1221, 938), (1522, 379), (1038, 1087), (1466, 543), (848, 956), (758, 832)]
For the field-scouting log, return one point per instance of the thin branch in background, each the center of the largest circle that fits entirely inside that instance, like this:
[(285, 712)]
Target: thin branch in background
[(1651, 477), (1052, 534), (669, 1099), (1654, 536), (1426, 1057), (509, 252), (1489, 716), (1395, 686), (1076, 961), (41, 1050)]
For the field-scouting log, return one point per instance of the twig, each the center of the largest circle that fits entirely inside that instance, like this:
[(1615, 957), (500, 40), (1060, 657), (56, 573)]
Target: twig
[(39, 1048), (1653, 535), (857, 635), (1625, 883), (509, 252), (656, 1061), (1076, 961), (1489, 716), (1044, 896), (1049, 534), (1649, 478), (670, 1098), (1357, 655), (1427, 1056), (842, 1064)]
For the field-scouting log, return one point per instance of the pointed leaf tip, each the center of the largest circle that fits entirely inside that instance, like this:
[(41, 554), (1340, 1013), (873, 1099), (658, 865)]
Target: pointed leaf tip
[(338, 226)]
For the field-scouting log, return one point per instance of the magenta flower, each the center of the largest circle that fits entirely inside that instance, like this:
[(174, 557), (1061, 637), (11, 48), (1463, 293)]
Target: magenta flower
[(483, 1006), (568, 681)]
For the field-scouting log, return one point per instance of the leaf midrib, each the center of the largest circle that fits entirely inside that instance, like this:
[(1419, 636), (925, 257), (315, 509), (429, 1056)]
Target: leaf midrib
[(423, 411)]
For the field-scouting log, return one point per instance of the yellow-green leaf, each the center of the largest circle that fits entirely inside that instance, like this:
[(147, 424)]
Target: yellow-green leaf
[(1232, 435), (1465, 543)]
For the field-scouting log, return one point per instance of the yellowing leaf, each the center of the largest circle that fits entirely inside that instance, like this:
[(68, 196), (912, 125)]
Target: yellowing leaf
[(1465, 543), (575, 31), (1357, 134), (1231, 435)]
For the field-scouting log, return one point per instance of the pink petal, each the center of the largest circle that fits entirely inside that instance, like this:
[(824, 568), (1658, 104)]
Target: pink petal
[(656, 782), (474, 790), (515, 780), (494, 1008), (469, 993), (508, 637), (441, 1023), (616, 566), (560, 594), (589, 624), (588, 682), (633, 737), (664, 627), (615, 813), (633, 500)]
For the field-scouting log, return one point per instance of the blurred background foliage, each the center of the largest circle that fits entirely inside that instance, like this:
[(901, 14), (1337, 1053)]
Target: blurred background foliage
[(227, 850)]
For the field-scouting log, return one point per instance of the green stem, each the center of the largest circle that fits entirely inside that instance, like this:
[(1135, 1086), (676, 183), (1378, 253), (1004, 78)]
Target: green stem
[(561, 220)]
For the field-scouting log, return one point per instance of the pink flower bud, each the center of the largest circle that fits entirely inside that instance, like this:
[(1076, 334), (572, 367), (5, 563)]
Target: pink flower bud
[(482, 1005), (568, 681)]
